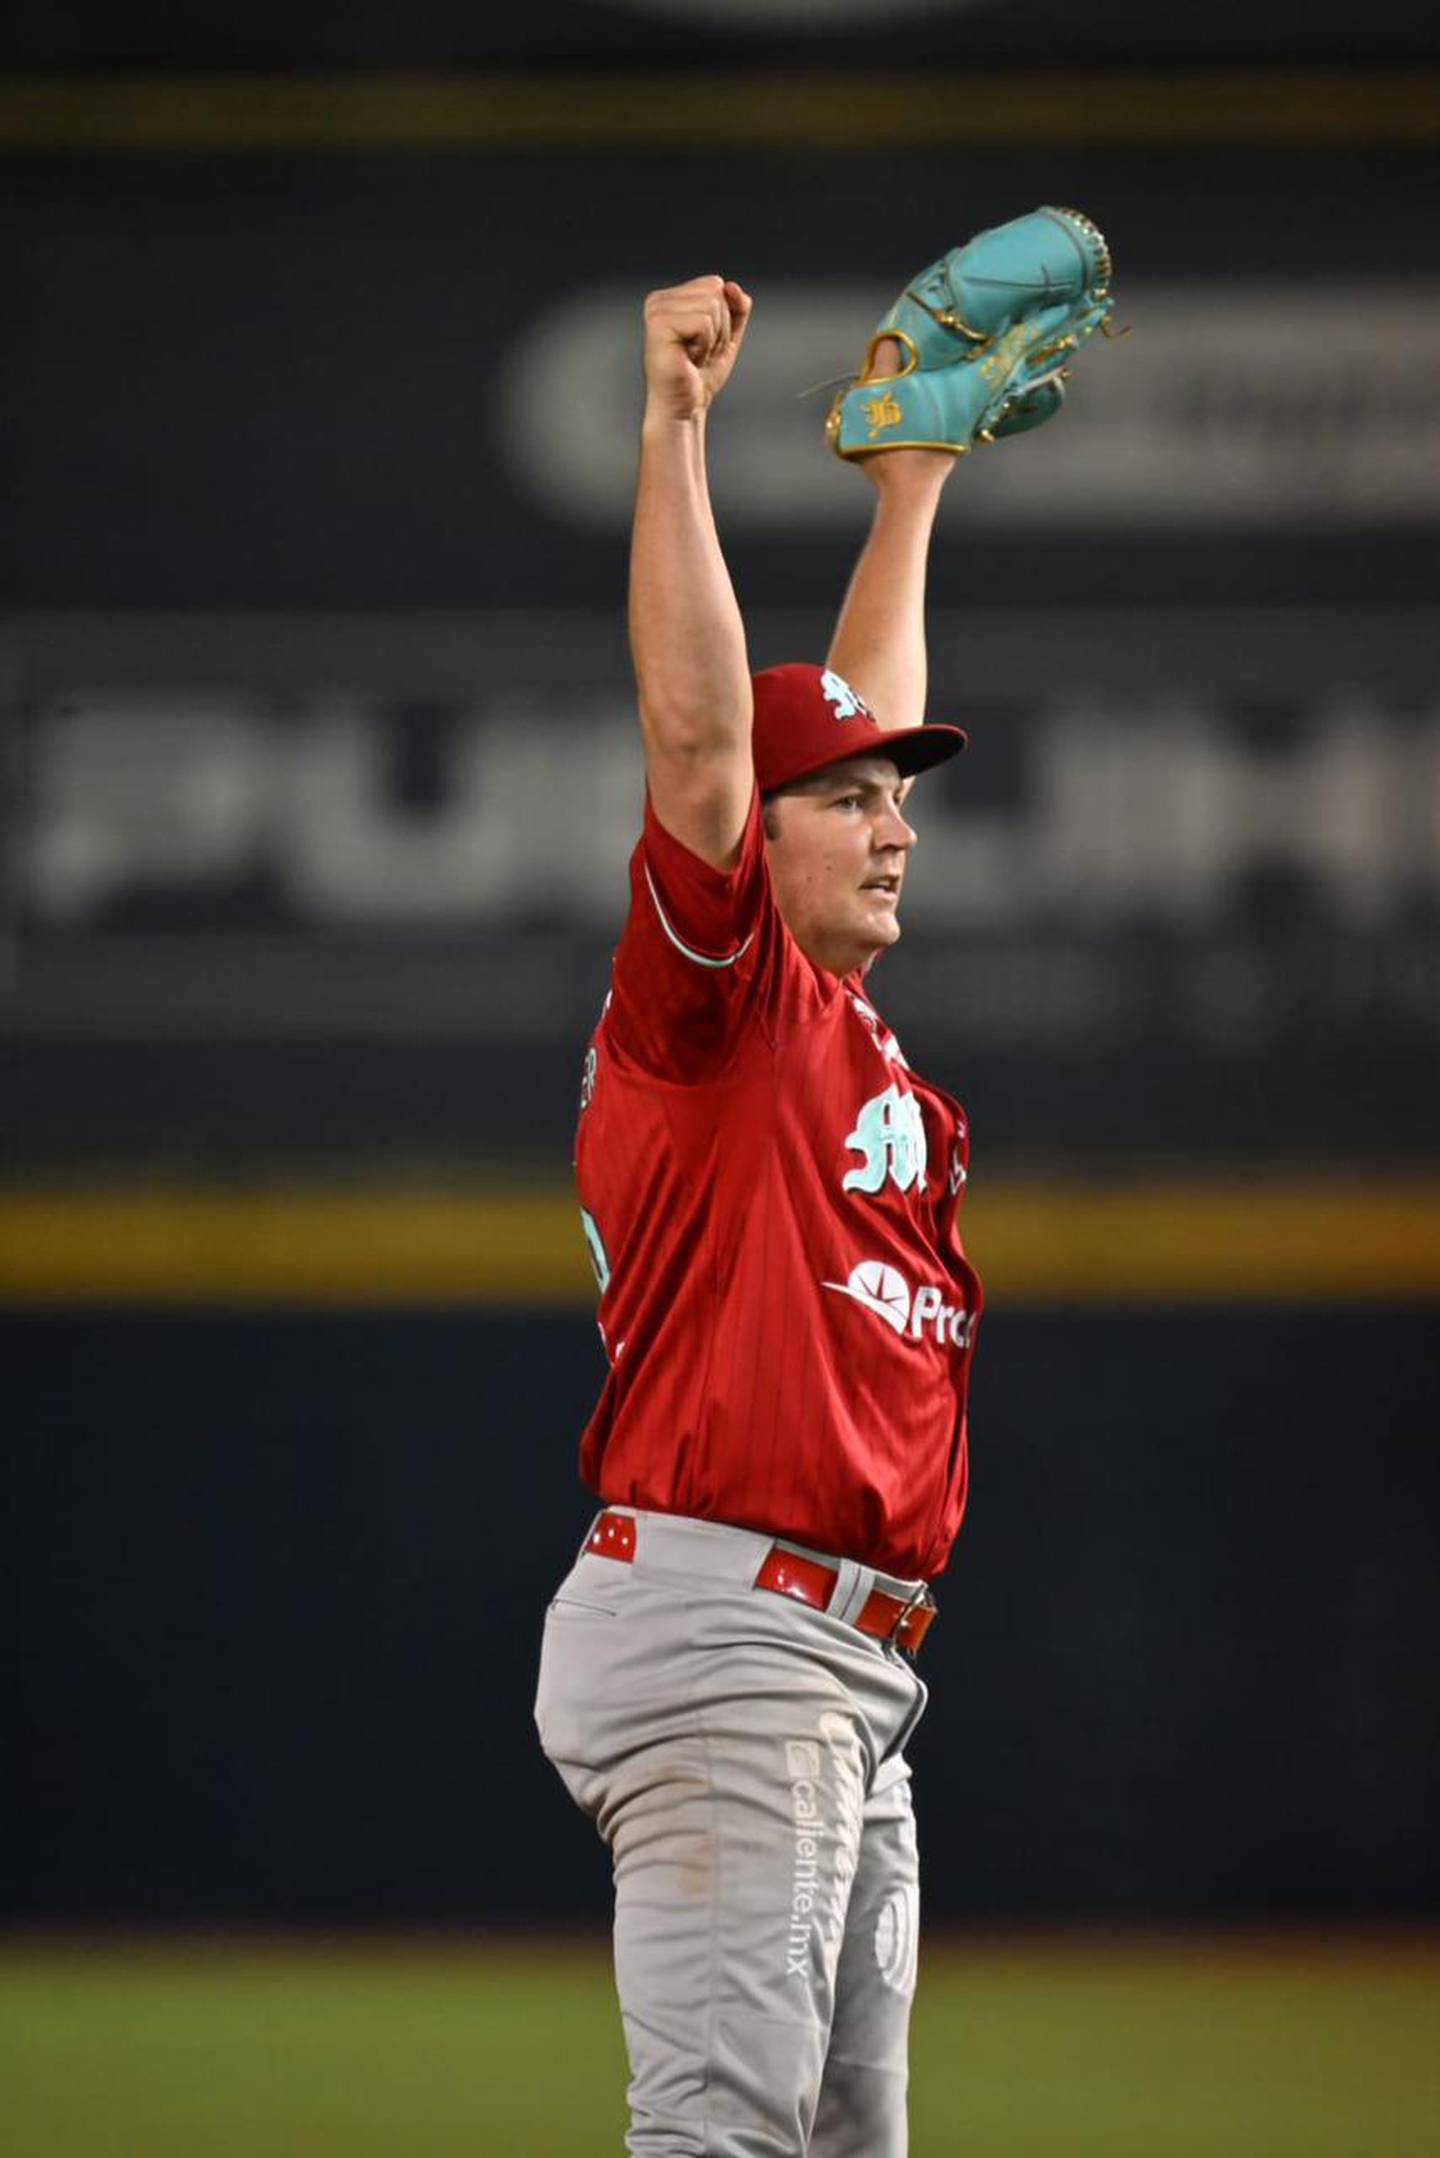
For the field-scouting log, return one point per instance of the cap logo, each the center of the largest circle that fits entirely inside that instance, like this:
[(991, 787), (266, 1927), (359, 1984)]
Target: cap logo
[(839, 693)]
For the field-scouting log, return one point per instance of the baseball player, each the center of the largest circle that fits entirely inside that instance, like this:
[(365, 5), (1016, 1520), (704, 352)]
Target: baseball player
[(771, 1196)]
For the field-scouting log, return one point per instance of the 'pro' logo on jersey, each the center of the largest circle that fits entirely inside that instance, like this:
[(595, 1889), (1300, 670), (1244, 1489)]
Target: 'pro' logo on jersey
[(884, 1291), (890, 1133)]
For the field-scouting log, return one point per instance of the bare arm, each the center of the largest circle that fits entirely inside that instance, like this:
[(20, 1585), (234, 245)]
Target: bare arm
[(686, 636), (879, 641)]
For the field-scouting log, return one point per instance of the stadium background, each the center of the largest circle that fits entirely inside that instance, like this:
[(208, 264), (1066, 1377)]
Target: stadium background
[(319, 776)]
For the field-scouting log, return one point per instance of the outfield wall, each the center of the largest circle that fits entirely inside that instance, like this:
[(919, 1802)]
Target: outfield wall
[(276, 1582)]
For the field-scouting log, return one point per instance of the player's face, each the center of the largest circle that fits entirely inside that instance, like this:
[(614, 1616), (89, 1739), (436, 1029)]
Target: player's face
[(838, 848)]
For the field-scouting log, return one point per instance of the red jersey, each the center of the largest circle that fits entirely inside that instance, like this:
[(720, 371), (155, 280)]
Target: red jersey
[(770, 1197)]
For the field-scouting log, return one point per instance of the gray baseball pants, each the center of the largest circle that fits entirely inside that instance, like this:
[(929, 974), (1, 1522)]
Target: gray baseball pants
[(742, 1756)]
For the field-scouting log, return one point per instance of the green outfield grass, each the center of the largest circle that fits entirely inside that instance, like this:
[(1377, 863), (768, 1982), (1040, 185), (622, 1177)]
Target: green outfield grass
[(1070, 2048)]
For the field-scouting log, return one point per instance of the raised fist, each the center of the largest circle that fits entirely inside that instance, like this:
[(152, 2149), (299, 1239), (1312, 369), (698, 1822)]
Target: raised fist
[(692, 337)]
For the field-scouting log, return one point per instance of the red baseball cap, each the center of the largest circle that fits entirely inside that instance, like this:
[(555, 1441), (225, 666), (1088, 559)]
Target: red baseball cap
[(807, 717)]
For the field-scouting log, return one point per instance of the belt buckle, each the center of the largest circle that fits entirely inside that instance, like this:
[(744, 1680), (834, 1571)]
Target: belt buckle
[(922, 1600)]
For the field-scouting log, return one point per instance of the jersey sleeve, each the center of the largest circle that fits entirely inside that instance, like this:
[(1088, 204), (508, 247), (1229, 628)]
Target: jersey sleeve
[(695, 953)]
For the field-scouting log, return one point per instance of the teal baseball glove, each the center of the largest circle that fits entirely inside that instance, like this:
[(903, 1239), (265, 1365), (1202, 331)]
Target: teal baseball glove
[(986, 335)]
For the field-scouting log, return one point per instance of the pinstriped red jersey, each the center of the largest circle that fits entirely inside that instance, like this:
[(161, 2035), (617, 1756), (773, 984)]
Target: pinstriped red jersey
[(770, 1197)]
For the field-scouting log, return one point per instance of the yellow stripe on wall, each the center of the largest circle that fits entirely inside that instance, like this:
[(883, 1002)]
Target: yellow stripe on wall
[(1241, 1241), (714, 109), (281, 1245), (1034, 1243)]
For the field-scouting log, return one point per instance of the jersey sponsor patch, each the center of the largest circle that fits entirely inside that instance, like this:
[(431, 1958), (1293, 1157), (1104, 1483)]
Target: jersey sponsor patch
[(918, 1315)]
